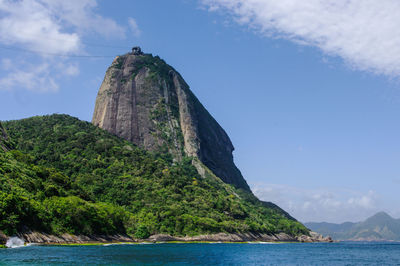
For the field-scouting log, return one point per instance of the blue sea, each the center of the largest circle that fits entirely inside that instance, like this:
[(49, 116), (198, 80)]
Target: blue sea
[(343, 253)]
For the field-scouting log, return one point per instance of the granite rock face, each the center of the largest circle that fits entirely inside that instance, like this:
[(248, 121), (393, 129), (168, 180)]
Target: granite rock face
[(43, 238), (243, 237), (3, 238), (144, 100)]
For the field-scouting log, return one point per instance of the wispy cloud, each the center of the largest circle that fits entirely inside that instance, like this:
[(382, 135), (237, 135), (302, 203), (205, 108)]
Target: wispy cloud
[(82, 15), (324, 204), (35, 77), (48, 27), (134, 27), (366, 34)]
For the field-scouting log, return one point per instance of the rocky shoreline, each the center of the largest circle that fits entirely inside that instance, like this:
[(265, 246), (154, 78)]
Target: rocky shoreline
[(244, 237), (43, 238)]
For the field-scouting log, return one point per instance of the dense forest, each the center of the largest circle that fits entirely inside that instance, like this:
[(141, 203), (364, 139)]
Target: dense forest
[(63, 175)]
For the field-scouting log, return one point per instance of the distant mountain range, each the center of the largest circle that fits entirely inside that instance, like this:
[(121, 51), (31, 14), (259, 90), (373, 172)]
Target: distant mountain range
[(380, 227)]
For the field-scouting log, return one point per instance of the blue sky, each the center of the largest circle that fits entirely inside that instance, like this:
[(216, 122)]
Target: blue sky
[(308, 92)]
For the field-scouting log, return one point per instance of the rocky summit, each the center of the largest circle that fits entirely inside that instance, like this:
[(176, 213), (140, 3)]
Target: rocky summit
[(144, 100)]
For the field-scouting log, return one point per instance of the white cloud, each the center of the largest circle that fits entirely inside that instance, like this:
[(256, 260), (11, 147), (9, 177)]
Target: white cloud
[(329, 205), (81, 14), (366, 34), (48, 27), (53, 26), (32, 77), (35, 77), (134, 27), (70, 70), (32, 25)]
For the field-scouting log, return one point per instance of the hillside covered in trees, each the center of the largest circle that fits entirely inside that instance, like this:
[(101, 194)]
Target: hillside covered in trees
[(64, 175)]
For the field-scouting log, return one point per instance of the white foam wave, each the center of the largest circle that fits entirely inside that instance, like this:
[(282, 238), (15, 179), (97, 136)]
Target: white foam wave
[(15, 242), (264, 243)]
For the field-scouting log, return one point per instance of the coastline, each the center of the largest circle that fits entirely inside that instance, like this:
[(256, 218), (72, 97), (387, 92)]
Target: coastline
[(67, 239)]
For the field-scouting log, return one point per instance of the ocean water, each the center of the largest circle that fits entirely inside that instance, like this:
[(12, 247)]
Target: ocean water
[(344, 253)]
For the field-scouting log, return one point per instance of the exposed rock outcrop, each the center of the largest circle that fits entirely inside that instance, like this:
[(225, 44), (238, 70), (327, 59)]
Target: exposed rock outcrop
[(3, 238), (314, 237), (42, 238), (147, 102), (245, 237)]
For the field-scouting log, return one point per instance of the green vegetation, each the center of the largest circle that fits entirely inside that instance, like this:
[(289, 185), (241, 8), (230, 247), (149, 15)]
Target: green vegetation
[(167, 122), (5, 143), (68, 176), (155, 65), (119, 63), (158, 68), (142, 232)]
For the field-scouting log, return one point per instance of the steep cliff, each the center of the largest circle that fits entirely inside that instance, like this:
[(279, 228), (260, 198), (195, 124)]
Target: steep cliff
[(144, 100)]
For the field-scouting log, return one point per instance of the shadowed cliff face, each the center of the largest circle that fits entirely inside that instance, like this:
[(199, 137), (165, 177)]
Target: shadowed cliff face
[(145, 101)]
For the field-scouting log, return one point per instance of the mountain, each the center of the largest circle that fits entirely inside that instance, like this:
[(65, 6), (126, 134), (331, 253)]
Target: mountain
[(153, 162), (145, 101), (380, 227), (336, 231)]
